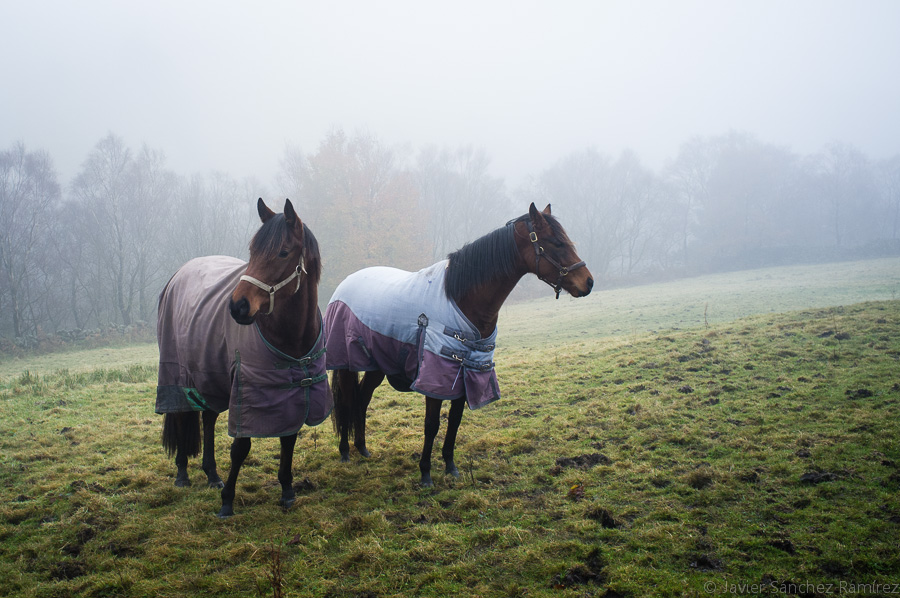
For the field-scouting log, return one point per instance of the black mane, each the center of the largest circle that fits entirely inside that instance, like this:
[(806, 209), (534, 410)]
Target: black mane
[(270, 237), (481, 261)]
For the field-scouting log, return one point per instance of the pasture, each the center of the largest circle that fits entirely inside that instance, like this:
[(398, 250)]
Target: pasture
[(729, 434)]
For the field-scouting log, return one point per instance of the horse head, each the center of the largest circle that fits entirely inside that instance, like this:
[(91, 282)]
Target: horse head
[(276, 254), (550, 255)]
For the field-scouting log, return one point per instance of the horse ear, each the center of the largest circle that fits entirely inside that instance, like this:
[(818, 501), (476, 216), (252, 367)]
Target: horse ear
[(546, 210), (290, 216), (537, 218), (264, 212)]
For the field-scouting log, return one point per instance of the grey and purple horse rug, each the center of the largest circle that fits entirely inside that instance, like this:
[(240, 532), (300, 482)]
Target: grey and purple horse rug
[(209, 361), (404, 324)]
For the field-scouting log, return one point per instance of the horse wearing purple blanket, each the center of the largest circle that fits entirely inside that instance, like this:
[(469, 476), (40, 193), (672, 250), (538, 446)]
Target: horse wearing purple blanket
[(229, 341)]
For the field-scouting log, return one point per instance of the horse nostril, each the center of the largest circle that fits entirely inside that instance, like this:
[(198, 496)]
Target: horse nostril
[(590, 285), (240, 310)]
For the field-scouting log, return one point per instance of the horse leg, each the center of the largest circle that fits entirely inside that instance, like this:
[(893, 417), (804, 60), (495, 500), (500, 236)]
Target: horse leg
[(370, 381), (432, 425), (208, 465), (285, 475), (240, 448), (182, 479), (457, 406)]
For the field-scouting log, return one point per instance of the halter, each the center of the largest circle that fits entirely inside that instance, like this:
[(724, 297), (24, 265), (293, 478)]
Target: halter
[(539, 253), (271, 290)]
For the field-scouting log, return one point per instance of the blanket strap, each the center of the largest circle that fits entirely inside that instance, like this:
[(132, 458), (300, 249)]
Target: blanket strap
[(474, 344), (304, 383), (463, 358)]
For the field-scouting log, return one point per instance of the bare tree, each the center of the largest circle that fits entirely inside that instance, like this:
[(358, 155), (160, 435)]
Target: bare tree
[(582, 184), (688, 177), (104, 191), (363, 205), (81, 279), (290, 178), (438, 189), (211, 214), (461, 198), (637, 192), (844, 183), (29, 192), (152, 190), (748, 187)]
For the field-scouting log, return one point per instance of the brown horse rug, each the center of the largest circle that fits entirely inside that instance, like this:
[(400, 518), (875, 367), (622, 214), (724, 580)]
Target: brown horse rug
[(209, 361), (403, 324)]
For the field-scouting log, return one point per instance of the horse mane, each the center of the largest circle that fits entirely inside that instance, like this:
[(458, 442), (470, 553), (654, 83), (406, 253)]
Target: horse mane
[(480, 261), (270, 237)]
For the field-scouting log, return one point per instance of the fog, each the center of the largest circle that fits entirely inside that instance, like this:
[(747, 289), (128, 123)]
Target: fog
[(672, 138), (227, 85)]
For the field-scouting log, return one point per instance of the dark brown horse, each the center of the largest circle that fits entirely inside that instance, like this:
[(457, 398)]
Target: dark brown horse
[(230, 341), (434, 331)]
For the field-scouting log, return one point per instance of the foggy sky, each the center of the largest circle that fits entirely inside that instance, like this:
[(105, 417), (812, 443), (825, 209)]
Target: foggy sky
[(228, 85)]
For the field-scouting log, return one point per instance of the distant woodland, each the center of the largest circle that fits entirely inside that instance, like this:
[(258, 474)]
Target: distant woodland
[(92, 253)]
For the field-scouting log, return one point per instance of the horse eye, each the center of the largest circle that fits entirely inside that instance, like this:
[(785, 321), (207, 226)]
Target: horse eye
[(283, 253)]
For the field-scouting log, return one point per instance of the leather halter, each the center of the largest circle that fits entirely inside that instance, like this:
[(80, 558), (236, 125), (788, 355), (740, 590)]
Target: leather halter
[(539, 253), (271, 290)]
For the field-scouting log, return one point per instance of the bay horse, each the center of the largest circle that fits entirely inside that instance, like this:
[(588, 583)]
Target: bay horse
[(228, 341), (434, 331)]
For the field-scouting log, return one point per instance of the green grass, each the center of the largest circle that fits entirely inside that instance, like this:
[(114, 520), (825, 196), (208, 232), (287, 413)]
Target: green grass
[(81, 360), (762, 450)]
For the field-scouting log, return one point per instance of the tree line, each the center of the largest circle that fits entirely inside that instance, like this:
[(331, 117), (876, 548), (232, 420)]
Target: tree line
[(95, 253)]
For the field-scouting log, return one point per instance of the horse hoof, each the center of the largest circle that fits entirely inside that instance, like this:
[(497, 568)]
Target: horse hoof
[(453, 472), (287, 503), (182, 483), (217, 485), (364, 452), (225, 513), (345, 458), (426, 482)]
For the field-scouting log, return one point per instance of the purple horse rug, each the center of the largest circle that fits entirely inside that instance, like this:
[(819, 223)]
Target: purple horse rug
[(403, 324), (209, 361)]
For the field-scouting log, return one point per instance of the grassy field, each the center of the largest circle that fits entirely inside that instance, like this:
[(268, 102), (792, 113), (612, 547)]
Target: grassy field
[(696, 302), (655, 441)]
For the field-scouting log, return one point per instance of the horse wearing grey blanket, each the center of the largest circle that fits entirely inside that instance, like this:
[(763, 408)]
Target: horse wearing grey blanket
[(434, 331)]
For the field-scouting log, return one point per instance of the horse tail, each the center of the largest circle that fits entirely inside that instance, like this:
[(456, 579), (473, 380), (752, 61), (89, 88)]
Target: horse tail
[(182, 430), (346, 393)]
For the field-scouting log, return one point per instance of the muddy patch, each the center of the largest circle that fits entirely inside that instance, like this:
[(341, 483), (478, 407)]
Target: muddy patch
[(817, 477), (705, 562), (603, 516), (580, 462), (592, 570)]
